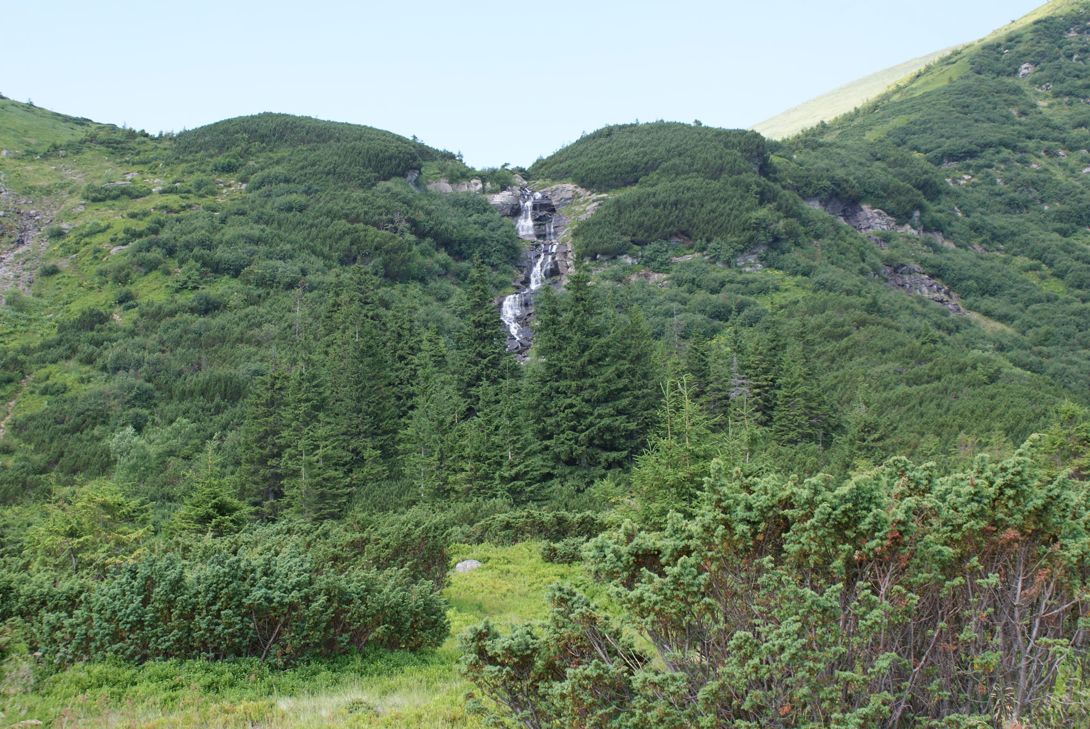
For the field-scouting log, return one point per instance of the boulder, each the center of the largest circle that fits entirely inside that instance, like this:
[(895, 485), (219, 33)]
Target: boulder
[(474, 185), (564, 194), (467, 565), (506, 203)]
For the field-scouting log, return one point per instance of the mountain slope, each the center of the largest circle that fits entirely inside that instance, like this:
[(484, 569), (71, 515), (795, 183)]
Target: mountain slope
[(842, 100), (988, 150)]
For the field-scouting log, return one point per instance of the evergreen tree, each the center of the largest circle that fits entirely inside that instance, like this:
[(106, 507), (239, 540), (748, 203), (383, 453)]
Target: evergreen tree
[(402, 344), (593, 389), (427, 442), (756, 366), (626, 391), (723, 380), (212, 506), (262, 442), (317, 463), (480, 345), (496, 453), (696, 366), (801, 415), (568, 345), (670, 474), (361, 374)]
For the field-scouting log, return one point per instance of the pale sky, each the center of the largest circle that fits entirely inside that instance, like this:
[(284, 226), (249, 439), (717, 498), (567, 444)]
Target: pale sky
[(497, 81)]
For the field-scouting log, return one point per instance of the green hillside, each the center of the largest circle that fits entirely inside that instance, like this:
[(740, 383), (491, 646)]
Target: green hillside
[(844, 99), (806, 425)]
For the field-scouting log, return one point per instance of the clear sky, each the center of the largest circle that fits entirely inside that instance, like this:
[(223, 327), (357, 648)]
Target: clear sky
[(499, 81)]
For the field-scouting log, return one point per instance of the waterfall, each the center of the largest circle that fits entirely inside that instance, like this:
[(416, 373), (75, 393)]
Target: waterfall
[(525, 225), (536, 213)]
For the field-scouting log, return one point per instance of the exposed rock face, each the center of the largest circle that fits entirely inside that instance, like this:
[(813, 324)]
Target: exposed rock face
[(907, 276), (564, 194), (24, 227), (506, 203), (911, 278), (583, 204), (750, 261), (863, 218), (1026, 69), (474, 185)]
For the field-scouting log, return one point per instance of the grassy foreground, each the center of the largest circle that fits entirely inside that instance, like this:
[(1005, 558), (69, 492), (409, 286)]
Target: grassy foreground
[(378, 689)]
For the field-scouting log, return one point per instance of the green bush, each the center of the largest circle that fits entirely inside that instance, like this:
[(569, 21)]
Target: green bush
[(115, 191), (554, 526), (897, 597), (565, 551), (273, 605)]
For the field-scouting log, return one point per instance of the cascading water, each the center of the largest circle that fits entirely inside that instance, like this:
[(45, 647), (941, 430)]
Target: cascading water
[(535, 223), (525, 225)]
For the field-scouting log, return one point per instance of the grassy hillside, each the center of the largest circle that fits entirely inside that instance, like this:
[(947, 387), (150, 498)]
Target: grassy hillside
[(842, 100), (728, 254), (988, 149), (255, 403), (903, 76), (25, 128)]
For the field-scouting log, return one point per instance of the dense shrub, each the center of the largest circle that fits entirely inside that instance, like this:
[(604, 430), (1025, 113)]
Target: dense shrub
[(895, 598), (519, 526), (115, 191), (623, 155), (274, 605)]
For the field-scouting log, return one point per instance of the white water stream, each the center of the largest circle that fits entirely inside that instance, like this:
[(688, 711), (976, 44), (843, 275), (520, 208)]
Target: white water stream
[(517, 308)]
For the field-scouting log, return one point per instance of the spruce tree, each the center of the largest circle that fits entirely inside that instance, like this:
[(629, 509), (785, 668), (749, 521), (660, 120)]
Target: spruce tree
[(481, 346), (262, 441), (360, 370), (568, 347), (427, 442), (211, 506), (317, 462), (801, 415), (625, 391), (496, 455), (758, 359), (594, 389)]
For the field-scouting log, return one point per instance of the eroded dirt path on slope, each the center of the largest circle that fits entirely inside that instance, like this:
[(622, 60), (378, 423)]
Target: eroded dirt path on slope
[(22, 238)]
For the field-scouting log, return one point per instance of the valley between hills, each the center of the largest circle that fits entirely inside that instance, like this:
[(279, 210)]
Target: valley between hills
[(310, 424)]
